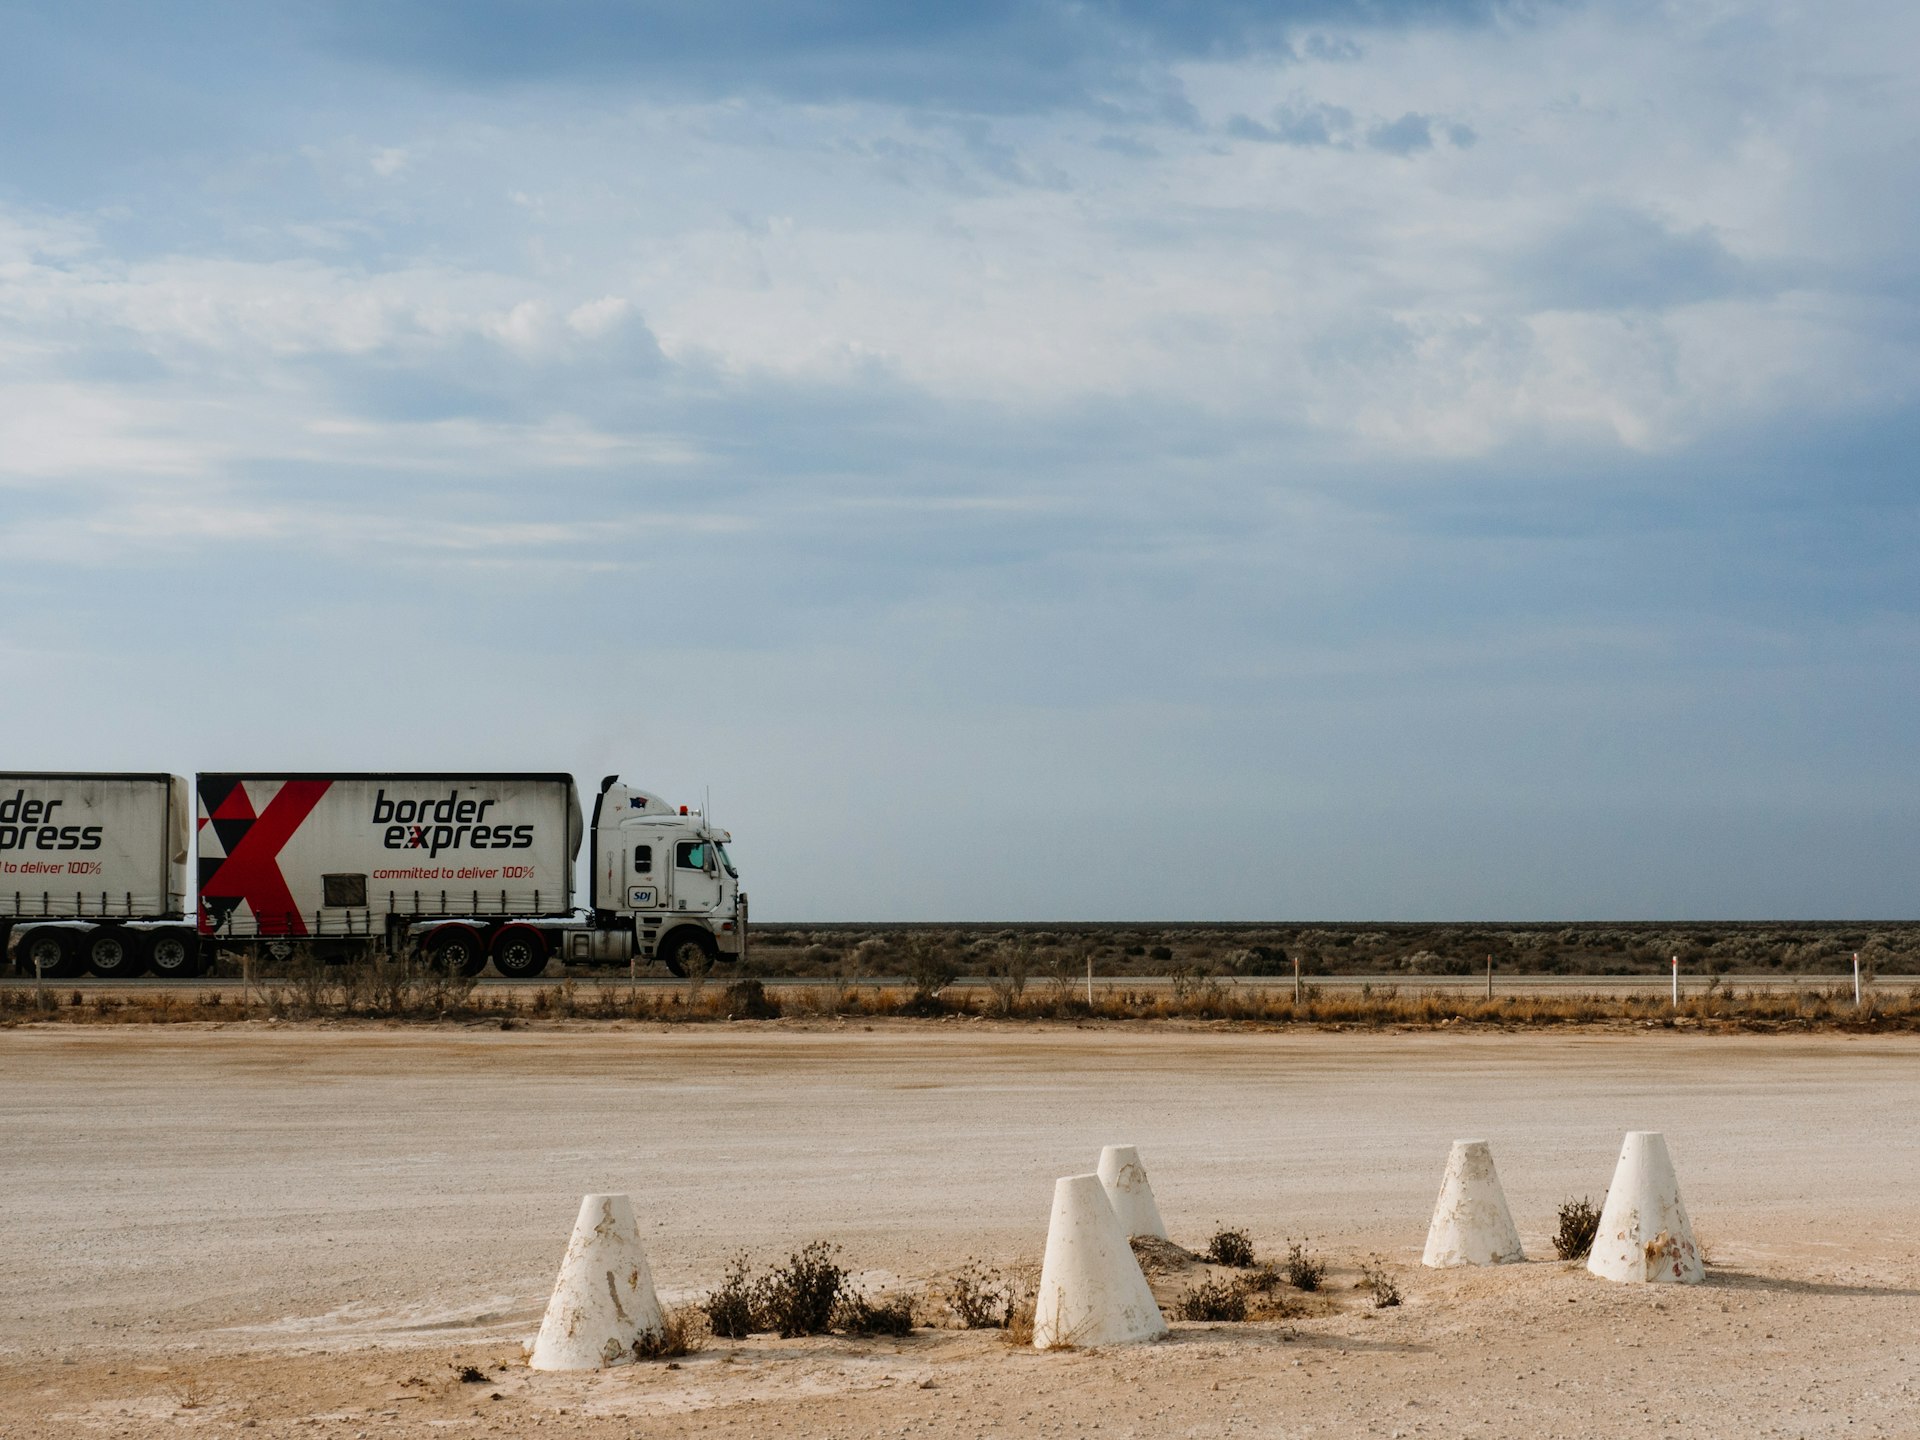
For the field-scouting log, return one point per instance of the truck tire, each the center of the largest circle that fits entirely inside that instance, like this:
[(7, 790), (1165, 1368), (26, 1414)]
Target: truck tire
[(520, 952), (688, 952), (49, 952), (174, 954), (113, 954), (456, 949)]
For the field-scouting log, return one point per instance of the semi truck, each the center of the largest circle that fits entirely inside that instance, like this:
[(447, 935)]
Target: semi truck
[(461, 869)]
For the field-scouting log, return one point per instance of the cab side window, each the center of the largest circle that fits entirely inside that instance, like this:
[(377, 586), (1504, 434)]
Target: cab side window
[(643, 859), (690, 855)]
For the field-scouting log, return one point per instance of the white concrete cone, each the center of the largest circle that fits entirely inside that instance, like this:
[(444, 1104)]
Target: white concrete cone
[(1644, 1236), (1092, 1291), (1471, 1222), (1130, 1194), (603, 1301)]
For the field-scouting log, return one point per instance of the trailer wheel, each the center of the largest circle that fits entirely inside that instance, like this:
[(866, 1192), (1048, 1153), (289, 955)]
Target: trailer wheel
[(520, 952), (49, 953), (455, 949), (112, 954), (174, 954), (688, 952)]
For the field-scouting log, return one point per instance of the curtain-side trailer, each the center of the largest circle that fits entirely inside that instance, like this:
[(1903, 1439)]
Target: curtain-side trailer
[(93, 873)]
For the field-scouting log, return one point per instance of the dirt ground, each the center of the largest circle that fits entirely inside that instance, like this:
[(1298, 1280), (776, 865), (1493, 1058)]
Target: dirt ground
[(310, 1232)]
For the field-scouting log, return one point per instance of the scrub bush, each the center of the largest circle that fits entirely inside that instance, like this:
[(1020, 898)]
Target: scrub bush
[(1232, 1248), (1304, 1271), (1579, 1223), (799, 1298), (1217, 1300)]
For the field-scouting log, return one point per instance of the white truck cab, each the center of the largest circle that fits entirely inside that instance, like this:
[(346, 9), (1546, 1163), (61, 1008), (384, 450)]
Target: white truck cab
[(662, 875)]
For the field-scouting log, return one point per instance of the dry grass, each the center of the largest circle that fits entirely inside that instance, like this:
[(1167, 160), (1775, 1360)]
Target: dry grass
[(423, 996), (682, 1331), (1019, 1331)]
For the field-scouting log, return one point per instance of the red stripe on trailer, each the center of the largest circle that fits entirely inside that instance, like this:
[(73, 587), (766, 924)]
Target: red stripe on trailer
[(238, 807), (251, 873)]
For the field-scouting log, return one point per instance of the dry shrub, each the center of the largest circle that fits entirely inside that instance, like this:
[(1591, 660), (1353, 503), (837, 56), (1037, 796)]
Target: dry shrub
[(1232, 1248), (931, 969), (1261, 1281), (1579, 1223), (1216, 1300), (860, 1315), (799, 1297), (749, 1000), (1007, 977), (1303, 1269), (980, 1298), (731, 1308), (681, 1332), (1383, 1291), (190, 1392)]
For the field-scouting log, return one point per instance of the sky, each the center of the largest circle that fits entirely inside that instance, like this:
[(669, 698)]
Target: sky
[(1089, 459)]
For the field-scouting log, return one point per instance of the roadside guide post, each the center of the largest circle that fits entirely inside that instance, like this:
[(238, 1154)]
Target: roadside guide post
[(1856, 979), (1296, 977), (1489, 977), (1676, 982), (1089, 977)]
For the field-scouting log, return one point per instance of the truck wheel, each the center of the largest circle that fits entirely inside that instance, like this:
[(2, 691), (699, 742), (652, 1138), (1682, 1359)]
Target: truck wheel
[(456, 950), (688, 952), (174, 954), (49, 953), (520, 952), (112, 955)]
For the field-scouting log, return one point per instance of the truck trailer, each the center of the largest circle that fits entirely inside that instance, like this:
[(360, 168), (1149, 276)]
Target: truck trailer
[(93, 873), (457, 868)]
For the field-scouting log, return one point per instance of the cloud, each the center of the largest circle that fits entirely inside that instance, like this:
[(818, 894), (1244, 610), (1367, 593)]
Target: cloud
[(1613, 257), (1406, 136), (1004, 56), (1318, 124)]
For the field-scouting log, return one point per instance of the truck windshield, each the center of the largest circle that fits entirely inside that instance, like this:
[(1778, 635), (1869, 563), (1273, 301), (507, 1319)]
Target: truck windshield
[(726, 859)]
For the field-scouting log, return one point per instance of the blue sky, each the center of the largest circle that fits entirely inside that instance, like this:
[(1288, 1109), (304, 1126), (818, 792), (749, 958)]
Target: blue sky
[(1349, 459)]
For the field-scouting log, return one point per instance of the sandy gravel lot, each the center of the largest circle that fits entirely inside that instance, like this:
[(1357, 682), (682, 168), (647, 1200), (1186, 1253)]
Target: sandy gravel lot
[(306, 1231)]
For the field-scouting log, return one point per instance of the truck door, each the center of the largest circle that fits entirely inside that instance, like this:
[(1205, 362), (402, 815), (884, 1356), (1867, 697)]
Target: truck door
[(696, 876), (645, 884)]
